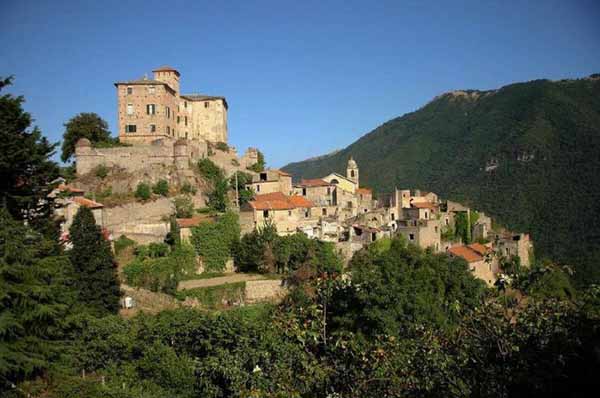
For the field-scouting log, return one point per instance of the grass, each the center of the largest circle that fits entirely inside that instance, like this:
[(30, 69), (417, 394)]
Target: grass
[(212, 297)]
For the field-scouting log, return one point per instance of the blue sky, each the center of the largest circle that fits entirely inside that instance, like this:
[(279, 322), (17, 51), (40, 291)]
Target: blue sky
[(302, 78)]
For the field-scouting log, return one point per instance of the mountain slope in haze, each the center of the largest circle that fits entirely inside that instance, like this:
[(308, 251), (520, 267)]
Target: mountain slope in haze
[(528, 154)]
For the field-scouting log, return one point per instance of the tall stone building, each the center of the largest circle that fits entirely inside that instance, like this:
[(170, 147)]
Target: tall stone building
[(150, 109)]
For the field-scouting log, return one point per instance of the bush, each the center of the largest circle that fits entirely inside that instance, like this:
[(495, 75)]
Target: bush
[(209, 170), (122, 243), (159, 270), (222, 146), (184, 207), (161, 188), (101, 171), (259, 165), (188, 189), (215, 242), (142, 191)]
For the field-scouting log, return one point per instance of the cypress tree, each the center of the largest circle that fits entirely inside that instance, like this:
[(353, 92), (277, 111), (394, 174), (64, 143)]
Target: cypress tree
[(95, 266)]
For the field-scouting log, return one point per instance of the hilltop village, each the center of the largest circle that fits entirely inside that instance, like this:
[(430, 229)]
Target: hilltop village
[(163, 136)]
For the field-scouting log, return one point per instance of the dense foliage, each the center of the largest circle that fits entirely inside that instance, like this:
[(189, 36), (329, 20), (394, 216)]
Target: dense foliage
[(215, 241), (84, 125), (142, 191), (161, 188), (159, 267), (542, 137), (264, 251), (94, 264), (260, 163), (26, 169), (219, 186)]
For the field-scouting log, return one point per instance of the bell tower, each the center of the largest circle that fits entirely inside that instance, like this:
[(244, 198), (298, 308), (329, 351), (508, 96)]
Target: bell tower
[(352, 171)]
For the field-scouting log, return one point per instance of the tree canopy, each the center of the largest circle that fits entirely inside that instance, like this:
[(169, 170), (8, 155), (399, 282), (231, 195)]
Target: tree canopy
[(83, 125)]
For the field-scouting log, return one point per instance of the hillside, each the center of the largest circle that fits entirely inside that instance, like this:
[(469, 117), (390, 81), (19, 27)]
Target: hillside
[(528, 154)]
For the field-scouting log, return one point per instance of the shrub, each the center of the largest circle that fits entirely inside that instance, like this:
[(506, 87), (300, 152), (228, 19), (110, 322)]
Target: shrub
[(122, 243), (184, 207), (222, 146), (215, 242), (153, 250), (142, 191), (188, 188), (101, 171), (259, 165), (209, 170), (161, 188)]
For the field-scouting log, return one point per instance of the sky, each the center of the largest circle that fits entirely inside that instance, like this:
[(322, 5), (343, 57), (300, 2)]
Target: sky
[(302, 78)]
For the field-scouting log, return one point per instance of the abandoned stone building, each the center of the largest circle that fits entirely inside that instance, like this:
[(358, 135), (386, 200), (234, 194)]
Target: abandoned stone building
[(149, 109)]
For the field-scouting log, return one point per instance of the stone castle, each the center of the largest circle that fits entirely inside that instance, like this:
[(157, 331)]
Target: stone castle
[(162, 128)]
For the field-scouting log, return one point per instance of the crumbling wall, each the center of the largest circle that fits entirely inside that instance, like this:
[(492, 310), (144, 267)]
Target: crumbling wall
[(265, 290), (142, 222)]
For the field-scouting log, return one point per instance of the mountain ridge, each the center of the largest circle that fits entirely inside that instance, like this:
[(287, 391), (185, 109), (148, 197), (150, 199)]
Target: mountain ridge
[(512, 152)]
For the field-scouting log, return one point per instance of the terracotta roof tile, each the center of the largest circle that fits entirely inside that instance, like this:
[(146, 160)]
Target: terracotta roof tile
[(465, 252), (272, 205), (479, 248), (87, 203), (300, 201), (63, 188), (194, 221), (364, 191), (269, 196), (279, 201)]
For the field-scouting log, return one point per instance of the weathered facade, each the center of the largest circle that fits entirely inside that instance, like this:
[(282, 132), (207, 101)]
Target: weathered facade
[(151, 109)]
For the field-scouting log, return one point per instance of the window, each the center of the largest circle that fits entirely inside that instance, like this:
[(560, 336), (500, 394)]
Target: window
[(185, 120), (153, 128), (185, 104), (324, 211), (265, 213), (289, 213), (206, 104), (151, 109), (186, 135), (303, 191), (366, 210), (168, 112), (306, 213), (257, 188), (130, 128), (177, 119), (411, 236), (351, 173), (168, 130), (129, 90), (151, 90), (447, 221), (436, 229), (130, 109), (263, 176), (393, 216), (328, 191), (426, 215)]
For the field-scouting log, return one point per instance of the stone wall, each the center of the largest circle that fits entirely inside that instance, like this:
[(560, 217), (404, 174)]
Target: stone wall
[(142, 222), (264, 290)]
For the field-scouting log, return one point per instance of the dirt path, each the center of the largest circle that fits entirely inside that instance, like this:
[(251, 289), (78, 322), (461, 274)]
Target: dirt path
[(220, 280)]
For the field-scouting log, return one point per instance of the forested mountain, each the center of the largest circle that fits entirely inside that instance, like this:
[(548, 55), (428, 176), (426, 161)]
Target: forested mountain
[(528, 154)]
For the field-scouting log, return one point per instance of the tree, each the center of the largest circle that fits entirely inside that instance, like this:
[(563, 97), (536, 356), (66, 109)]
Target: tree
[(260, 163), (94, 264), (83, 125), (25, 166), (35, 298)]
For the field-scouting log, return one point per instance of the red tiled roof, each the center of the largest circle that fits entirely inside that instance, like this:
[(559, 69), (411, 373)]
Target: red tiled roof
[(365, 191), (270, 196), (314, 182), (63, 187), (279, 201), (194, 221), (479, 248), (166, 68), (87, 202), (465, 252), (423, 205), (300, 201)]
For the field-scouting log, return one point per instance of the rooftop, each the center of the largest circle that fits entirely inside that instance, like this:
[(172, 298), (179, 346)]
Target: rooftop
[(194, 221), (465, 252), (87, 203), (314, 182), (279, 201)]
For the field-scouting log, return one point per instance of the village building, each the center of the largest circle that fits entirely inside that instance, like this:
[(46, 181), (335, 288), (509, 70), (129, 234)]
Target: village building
[(287, 213), (482, 261), (270, 181), (150, 109)]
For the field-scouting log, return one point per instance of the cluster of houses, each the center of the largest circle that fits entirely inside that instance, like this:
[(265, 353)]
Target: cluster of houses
[(337, 209)]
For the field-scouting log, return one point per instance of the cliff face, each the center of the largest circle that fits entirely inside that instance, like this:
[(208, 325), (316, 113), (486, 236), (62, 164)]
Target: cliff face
[(527, 154)]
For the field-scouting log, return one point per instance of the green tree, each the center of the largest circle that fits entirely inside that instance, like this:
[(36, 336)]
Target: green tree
[(95, 267), (142, 191), (83, 125), (25, 166), (36, 295), (260, 163), (161, 188)]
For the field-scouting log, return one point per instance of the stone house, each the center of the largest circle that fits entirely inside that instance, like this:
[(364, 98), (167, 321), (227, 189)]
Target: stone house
[(150, 109), (270, 181), (318, 191), (423, 233), (508, 244), (481, 259), (186, 224), (287, 213)]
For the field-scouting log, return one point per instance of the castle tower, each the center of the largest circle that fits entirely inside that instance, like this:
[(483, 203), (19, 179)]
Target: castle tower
[(168, 75), (352, 171)]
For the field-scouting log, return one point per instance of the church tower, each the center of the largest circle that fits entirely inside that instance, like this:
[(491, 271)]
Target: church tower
[(352, 171)]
